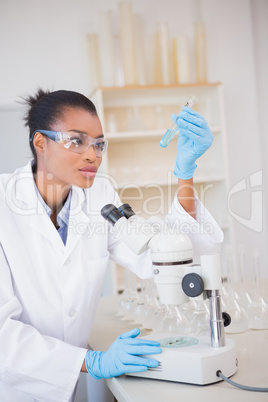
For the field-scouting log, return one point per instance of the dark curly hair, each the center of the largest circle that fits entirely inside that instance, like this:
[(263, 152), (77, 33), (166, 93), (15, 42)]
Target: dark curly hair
[(45, 108)]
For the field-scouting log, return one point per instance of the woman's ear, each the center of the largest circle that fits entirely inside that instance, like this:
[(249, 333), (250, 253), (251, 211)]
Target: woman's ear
[(39, 142)]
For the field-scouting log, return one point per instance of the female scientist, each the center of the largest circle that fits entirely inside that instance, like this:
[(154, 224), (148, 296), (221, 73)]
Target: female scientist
[(55, 245)]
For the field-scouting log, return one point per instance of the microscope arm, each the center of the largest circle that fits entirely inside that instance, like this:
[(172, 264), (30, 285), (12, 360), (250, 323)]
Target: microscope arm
[(206, 280)]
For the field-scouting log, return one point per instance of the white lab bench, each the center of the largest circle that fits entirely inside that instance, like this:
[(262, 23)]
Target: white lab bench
[(252, 350)]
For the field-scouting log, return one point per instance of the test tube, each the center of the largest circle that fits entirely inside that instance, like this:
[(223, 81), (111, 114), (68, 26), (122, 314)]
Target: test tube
[(173, 129)]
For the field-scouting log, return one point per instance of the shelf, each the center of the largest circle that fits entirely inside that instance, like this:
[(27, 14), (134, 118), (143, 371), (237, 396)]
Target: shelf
[(145, 134), (174, 181), (137, 87), (208, 179), (133, 135)]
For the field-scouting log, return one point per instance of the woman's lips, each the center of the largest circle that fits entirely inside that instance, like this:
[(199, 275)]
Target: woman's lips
[(88, 171)]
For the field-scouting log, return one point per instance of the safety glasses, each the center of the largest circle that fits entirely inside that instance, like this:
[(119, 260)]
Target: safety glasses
[(76, 142)]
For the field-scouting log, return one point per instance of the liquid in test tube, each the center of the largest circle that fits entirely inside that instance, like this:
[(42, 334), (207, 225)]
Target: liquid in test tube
[(173, 129)]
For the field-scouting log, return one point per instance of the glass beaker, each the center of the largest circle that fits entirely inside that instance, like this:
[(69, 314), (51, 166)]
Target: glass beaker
[(258, 309), (239, 320), (199, 324), (243, 297), (174, 321)]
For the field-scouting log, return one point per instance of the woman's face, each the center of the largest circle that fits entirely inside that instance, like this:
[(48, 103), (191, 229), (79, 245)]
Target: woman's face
[(63, 165)]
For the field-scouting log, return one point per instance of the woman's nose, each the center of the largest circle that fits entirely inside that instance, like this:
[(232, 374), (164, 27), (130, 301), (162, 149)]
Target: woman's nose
[(90, 154)]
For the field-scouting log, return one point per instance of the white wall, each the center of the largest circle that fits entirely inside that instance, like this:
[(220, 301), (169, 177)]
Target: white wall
[(43, 43)]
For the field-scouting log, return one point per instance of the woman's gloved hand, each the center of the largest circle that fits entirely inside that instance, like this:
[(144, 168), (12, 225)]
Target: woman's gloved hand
[(195, 138), (122, 357)]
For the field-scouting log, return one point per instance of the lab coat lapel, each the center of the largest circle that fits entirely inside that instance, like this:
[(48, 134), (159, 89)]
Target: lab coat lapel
[(46, 228), (22, 197), (78, 221)]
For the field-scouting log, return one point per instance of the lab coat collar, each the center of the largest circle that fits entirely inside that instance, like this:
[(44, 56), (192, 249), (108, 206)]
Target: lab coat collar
[(22, 186), (22, 194)]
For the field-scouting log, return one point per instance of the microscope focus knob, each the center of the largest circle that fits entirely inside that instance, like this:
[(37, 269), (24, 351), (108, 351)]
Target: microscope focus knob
[(192, 285), (226, 319)]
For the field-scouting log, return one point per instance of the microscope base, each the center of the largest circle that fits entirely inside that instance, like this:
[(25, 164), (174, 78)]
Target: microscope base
[(195, 364)]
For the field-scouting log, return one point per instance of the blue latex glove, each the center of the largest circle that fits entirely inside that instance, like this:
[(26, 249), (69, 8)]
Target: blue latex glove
[(122, 357), (195, 137)]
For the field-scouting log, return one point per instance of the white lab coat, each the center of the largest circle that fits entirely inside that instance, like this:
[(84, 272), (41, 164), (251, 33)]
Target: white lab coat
[(49, 292)]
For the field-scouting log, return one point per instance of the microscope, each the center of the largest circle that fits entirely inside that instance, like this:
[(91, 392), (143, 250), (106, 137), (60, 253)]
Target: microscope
[(194, 360)]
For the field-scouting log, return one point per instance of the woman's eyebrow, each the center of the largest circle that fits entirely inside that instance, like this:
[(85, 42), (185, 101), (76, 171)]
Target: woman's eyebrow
[(83, 132)]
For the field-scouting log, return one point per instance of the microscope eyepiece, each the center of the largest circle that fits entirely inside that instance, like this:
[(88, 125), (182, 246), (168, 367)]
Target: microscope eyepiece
[(111, 213), (126, 210)]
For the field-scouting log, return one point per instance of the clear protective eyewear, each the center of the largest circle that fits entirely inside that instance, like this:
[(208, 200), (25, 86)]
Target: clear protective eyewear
[(76, 142)]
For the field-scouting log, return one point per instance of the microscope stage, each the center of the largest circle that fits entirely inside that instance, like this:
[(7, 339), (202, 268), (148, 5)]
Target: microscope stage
[(190, 359)]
